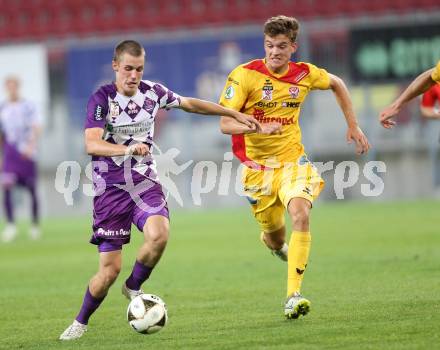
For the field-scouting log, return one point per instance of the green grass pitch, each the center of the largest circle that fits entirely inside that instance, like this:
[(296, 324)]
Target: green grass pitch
[(373, 280)]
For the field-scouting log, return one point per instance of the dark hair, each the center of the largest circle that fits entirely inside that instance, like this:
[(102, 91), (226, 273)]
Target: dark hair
[(131, 47), (288, 26)]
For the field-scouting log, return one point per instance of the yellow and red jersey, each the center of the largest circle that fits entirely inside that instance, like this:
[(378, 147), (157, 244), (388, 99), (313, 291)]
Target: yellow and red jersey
[(252, 89), (436, 73)]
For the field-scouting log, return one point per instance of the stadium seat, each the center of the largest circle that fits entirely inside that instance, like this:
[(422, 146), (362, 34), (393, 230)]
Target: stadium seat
[(169, 14), (81, 14), (3, 21), (62, 18), (402, 6), (17, 23), (354, 8), (210, 12), (429, 4), (374, 7), (237, 13), (99, 10), (300, 9), (260, 10), (42, 19)]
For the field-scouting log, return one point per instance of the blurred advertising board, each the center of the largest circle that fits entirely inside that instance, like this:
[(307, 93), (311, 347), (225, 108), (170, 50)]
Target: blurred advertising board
[(190, 66), (393, 53)]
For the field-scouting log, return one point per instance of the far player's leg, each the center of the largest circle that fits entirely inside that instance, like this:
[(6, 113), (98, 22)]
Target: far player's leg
[(276, 242), (34, 231), (10, 230), (261, 190), (109, 268), (269, 213), (156, 233), (8, 205)]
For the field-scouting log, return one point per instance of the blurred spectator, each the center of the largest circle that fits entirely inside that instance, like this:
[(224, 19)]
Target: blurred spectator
[(20, 128)]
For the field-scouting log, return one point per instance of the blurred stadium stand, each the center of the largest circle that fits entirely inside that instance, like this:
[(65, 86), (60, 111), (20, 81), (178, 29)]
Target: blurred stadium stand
[(24, 20), (81, 33)]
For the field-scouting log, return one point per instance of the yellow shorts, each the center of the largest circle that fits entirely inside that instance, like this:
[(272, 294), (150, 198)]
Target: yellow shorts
[(270, 191)]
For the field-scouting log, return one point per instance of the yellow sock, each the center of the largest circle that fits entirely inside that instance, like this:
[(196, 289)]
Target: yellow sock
[(298, 255)]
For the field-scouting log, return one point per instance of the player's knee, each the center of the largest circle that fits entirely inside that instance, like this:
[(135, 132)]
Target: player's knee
[(300, 216), (158, 236), (274, 239)]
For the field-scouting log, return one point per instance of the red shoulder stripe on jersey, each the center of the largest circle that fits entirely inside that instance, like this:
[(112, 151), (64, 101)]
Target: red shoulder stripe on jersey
[(239, 150), (296, 72)]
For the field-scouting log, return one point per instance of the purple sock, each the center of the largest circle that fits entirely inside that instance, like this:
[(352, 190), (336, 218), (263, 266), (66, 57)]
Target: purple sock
[(35, 206), (90, 304), (138, 276)]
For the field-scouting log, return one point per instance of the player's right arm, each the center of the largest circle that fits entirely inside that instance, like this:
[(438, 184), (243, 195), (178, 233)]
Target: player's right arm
[(96, 146), (234, 96), (354, 132), (97, 109), (418, 86), (230, 126), (35, 131)]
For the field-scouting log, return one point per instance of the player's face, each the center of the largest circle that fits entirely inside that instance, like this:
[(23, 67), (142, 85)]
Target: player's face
[(279, 50), (12, 86), (129, 70)]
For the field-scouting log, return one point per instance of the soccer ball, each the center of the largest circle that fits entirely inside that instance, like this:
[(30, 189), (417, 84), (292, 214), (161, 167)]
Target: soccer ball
[(147, 314)]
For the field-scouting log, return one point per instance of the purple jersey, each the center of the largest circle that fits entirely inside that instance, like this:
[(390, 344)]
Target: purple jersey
[(127, 120), (16, 122)]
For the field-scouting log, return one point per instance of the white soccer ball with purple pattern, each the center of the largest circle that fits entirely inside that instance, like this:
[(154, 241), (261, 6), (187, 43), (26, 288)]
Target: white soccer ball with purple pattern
[(147, 314)]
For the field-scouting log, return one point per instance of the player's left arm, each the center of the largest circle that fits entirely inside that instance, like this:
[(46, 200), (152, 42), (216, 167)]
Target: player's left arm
[(354, 132), (35, 131), (418, 86), (195, 105), (31, 145)]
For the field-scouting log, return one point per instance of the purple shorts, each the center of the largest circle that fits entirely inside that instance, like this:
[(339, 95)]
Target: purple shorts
[(116, 209), (17, 170), (10, 179)]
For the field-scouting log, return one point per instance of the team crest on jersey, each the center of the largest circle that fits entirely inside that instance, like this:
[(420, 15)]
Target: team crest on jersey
[(294, 91), (229, 93), (149, 105), (267, 90), (267, 95), (132, 108), (114, 109)]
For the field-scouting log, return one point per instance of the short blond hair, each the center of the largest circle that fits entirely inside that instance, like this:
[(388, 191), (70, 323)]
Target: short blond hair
[(288, 26), (131, 47)]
